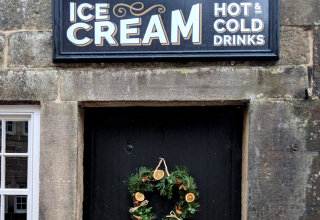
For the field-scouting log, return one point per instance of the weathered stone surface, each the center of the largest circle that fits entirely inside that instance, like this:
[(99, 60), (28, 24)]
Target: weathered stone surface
[(2, 41), (282, 164), (316, 55), (316, 62), (313, 142), (207, 83), (30, 50), (21, 14), (28, 85), (58, 160), (294, 46), (304, 12)]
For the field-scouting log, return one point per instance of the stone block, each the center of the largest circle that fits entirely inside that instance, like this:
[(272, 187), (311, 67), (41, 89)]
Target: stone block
[(30, 50), (311, 111), (168, 84), (2, 42), (294, 46), (304, 12), (316, 62), (58, 160), (283, 167), (316, 48), (28, 85), (21, 14)]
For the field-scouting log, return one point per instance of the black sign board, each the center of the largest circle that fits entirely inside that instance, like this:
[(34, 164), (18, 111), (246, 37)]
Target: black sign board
[(102, 29)]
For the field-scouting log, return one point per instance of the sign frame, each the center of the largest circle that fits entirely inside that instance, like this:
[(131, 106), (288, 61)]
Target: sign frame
[(271, 54)]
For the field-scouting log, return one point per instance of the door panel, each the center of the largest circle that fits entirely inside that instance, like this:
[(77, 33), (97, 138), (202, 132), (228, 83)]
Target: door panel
[(205, 139)]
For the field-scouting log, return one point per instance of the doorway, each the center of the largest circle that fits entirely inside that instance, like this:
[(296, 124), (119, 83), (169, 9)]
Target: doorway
[(119, 140)]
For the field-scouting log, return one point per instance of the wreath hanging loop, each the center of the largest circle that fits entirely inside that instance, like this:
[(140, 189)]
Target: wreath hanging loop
[(162, 160), (147, 180)]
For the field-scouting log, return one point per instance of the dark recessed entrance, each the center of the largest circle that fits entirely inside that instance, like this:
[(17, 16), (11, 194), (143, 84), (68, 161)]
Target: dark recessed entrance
[(208, 140)]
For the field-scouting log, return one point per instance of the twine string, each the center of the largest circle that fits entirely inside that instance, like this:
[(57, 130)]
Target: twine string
[(173, 215), (144, 203), (162, 160), (165, 165)]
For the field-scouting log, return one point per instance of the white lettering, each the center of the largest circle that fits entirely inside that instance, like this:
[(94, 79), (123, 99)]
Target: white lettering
[(72, 34), (216, 26), (81, 10), (192, 27), (102, 11), (73, 16), (233, 9), (238, 40), (236, 12), (155, 30), (222, 9), (243, 27), (100, 34), (232, 22), (217, 40), (257, 25), (251, 39), (246, 6), (126, 32), (241, 40), (260, 40), (227, 40)]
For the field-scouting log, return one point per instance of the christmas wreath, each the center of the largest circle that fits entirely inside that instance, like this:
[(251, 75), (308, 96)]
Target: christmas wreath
[(148, 180)]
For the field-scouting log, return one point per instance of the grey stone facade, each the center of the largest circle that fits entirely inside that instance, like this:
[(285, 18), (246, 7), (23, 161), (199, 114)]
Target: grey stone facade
[(283, 178)]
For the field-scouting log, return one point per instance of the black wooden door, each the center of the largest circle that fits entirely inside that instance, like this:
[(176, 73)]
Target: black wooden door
[(205, 139)]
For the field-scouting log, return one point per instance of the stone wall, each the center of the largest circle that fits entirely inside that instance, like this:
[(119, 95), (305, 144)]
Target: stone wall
[(283, 97)]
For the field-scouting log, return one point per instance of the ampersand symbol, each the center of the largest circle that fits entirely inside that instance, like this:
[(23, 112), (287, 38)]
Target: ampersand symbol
[(257, 6)]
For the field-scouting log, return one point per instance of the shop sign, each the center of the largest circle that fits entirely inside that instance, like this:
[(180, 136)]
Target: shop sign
[(114, 29)]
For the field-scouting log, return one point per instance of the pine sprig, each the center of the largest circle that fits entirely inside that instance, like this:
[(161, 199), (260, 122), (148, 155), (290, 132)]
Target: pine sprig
[(145, 213), (135, 183)]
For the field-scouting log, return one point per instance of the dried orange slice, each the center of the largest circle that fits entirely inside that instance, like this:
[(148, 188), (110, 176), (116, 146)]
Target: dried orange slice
[(158, 174), (190, 197), (139, 196)]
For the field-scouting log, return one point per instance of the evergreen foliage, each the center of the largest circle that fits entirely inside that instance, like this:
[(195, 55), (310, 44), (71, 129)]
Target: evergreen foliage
[(143, 181)]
